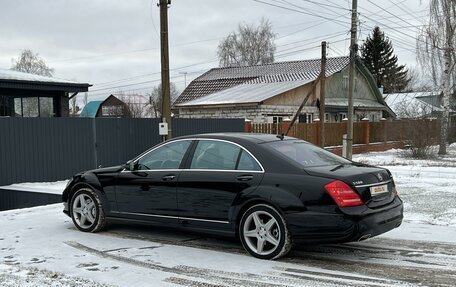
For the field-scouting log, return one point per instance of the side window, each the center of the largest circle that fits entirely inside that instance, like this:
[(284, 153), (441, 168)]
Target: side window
[(247, 162), (166, 157), (215, 155)]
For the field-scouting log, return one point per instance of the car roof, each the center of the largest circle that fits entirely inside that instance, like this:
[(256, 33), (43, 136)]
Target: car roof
[(251, 137)]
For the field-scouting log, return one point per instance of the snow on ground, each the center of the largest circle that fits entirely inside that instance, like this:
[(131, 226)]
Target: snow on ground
[(42, 187), (41, 247), (427, 187)]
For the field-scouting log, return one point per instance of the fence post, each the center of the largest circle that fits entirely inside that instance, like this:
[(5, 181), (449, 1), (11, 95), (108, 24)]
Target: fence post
[(285, 124), (317, 131), (247, 126), (366, 139), (384, 129)]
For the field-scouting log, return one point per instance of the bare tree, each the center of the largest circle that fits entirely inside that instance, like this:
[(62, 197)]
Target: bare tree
[(413, 109), (74, 107), (31, 63), (419, 83), (436, 52), (136, 105), (155, 98), (249, 46), (85, 99)]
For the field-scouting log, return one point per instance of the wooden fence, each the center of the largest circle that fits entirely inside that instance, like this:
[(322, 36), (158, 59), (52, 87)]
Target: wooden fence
[(364, 132)]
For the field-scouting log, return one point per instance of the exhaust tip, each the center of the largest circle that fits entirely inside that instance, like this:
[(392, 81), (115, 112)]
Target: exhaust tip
[(364, 237)]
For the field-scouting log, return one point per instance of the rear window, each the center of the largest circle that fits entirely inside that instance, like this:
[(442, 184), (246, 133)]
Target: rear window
[(306, 154)]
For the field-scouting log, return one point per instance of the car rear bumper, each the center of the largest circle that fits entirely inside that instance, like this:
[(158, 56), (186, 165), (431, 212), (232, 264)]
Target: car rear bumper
[(324, 227)]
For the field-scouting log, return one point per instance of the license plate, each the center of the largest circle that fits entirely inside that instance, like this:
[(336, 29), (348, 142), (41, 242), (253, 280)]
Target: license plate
[(379, 189)]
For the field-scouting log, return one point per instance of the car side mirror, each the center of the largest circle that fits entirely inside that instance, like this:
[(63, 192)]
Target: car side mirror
[(130, 165)]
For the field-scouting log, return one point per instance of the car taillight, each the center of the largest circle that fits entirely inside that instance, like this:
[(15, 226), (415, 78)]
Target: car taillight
[(343, 194)]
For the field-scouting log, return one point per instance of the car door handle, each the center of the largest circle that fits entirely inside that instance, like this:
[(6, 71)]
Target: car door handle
[(245, 177), (168, 177)]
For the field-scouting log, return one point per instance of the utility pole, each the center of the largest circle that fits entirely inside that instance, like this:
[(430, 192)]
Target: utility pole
[(351, 80), (447, 54), (322, 93), (166, 100)]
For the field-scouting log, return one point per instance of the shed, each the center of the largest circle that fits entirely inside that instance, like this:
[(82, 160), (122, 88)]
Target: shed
[(29, 95)]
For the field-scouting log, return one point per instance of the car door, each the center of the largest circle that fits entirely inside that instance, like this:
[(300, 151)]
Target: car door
[(149, 190), (217, 173)]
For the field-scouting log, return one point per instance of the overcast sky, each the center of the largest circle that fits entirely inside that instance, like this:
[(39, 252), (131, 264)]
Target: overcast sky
[(114, 44)]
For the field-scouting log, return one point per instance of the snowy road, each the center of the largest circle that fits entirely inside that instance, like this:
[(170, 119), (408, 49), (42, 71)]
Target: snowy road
[(41, 246)]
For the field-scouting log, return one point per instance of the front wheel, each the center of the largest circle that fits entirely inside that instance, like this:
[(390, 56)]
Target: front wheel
[(86, 211), (263, 232)]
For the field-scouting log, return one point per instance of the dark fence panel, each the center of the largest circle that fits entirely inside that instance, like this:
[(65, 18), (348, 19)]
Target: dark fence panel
[(13, 199), (119, 140), (45, 148), (183, 127), (49, 149)]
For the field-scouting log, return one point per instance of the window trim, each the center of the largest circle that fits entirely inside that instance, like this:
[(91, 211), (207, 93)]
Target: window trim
[(225, 170), (196, 140)]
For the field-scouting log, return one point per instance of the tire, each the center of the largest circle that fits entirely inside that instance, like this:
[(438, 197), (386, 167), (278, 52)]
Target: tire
[(264, 233), (86, 211)]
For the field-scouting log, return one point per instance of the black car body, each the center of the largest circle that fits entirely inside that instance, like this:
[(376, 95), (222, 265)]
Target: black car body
[(309, 194)]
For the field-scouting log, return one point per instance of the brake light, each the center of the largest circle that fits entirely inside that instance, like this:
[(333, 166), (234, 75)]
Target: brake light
[(343, 194)]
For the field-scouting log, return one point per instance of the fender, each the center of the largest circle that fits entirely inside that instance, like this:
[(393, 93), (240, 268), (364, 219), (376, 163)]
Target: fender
[(90, 180)]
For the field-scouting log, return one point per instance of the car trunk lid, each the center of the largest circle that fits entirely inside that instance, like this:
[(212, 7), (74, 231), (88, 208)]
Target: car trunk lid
[(374, 185)]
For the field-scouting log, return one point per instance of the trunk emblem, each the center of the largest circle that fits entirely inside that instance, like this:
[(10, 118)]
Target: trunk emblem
[(380, 177)]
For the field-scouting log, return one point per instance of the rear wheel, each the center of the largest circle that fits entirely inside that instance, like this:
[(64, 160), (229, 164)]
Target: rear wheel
[(263, 232), (86, 211)]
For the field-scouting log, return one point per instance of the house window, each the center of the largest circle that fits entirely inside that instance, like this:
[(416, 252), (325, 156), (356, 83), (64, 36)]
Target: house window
[(342, 116), (309, 118), (18, 107), (33, 107), (306, 118), (327, 118), (46, 107), (346, 83), (30, 108), (111, 111)]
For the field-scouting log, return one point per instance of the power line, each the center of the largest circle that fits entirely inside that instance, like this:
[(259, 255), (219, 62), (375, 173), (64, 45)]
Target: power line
[(327, 5), (309, 10), (389, 12), (301, 12)]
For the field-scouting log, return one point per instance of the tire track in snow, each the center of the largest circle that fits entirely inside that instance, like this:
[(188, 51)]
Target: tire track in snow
[(415, 262), (240, 279)]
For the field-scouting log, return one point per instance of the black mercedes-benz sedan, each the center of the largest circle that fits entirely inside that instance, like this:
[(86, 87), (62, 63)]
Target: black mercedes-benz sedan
[(271, 192)]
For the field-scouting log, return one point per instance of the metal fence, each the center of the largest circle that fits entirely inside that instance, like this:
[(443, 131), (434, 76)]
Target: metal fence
[(14, 199), (49, 149)]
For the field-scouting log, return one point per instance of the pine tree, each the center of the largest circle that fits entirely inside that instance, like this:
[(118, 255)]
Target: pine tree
[(377, 54)]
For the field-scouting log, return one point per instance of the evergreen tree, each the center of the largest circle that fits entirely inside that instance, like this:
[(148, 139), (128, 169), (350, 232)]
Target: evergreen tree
[(377, 54)]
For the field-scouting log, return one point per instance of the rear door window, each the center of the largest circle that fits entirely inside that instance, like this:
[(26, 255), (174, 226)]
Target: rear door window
[(216, 155)]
